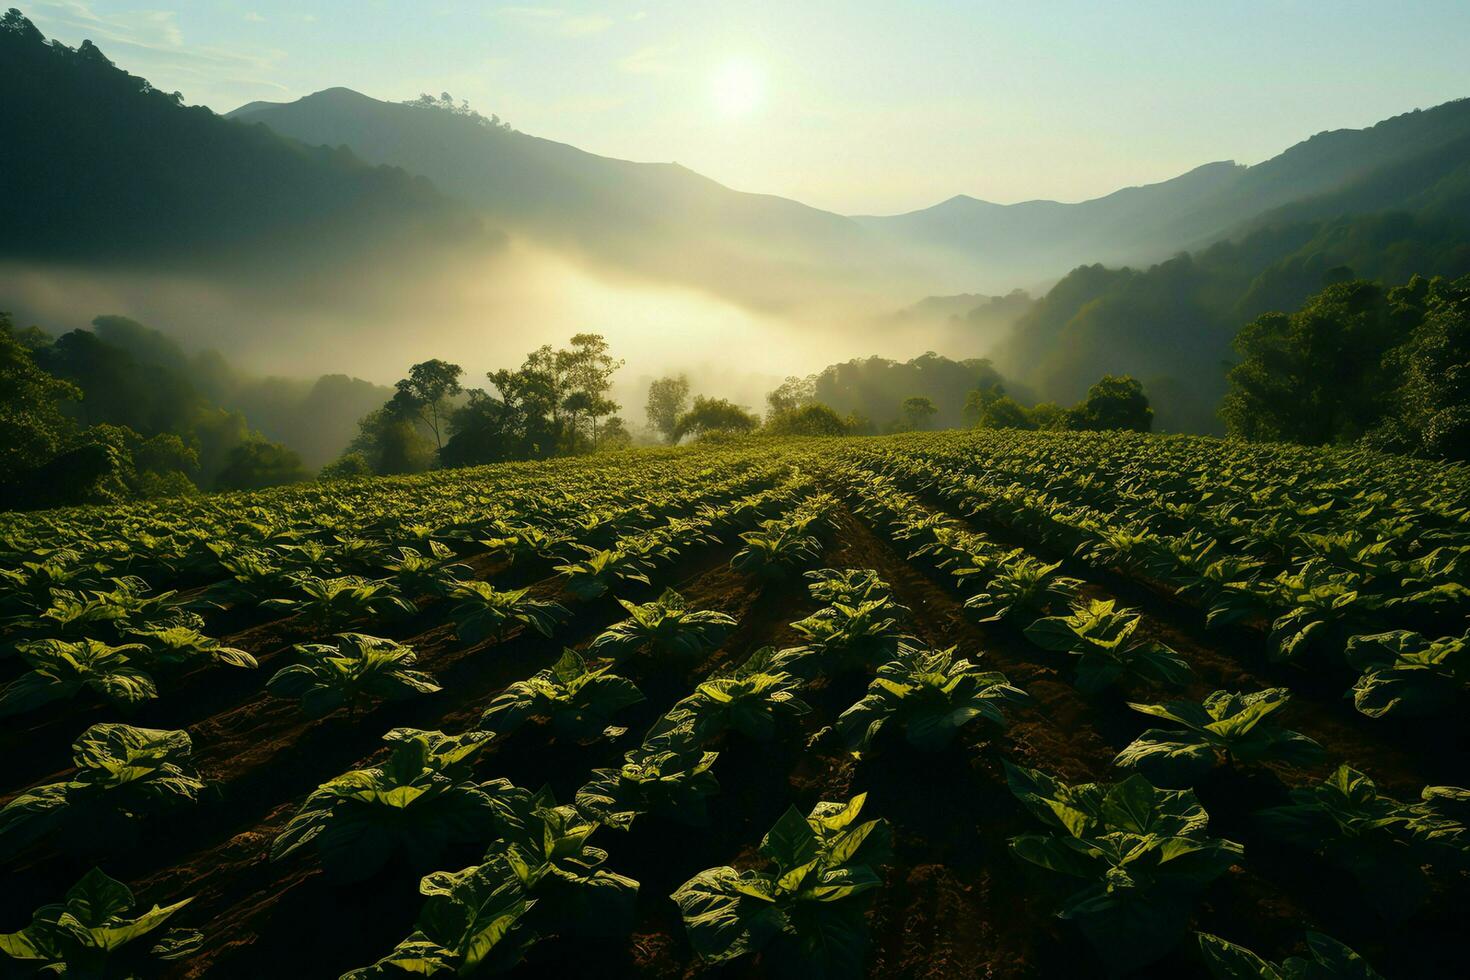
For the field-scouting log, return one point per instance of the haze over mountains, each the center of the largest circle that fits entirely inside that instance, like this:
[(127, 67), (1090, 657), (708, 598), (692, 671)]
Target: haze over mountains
[(339, 232)]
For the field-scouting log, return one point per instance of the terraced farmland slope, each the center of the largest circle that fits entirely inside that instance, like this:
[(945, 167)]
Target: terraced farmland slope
[(936, 705)]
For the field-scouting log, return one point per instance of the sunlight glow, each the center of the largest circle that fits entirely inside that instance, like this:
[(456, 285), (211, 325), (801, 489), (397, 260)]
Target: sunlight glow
[(738, 88)]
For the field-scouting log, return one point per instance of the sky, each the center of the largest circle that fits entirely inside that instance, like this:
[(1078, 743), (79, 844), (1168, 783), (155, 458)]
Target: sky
[(857, 106)]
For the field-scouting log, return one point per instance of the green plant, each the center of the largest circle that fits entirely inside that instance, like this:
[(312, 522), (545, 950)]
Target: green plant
[(580, 700), (419, 801), (1102, 638), (355, 672), (330, 602), (524, 542), (485, 611), (849, 586), (1024, 586), (548, 851), (176, 645), (435, 573), (594, 576), (1383, 843), (1317, 599), (122, 775), (1329, 960), (931, 695), (853, 636), (667, 625), (61, 670), (753, 699), (92, 935), (1406, 674), (807, 911), (775, 550), (471, 923), (1140, 853), (1227, 727), (669, 774)]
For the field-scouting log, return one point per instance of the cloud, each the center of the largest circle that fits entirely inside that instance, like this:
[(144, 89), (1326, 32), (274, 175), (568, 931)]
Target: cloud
[(651, 60), (563, 23)]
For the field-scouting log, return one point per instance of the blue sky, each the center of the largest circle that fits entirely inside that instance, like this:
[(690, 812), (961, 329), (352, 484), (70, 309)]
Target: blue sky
[(860, 106)]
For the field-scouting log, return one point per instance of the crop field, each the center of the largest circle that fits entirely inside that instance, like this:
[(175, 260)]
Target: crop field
[(965, 704)]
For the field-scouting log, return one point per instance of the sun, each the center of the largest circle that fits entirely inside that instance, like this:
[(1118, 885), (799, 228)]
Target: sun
[(737, 88)]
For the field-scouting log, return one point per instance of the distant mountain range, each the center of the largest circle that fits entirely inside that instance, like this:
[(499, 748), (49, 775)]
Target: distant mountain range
[(666, 221)]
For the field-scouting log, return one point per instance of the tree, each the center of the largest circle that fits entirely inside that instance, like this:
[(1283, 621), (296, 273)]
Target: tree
[(668, 398), (1113, 403), (391, 443), (814, 419), (1005, 413), (33, 427), (587, 367), (790, 395), (714, 415), (424, 396), (258, 464), (918, 411)]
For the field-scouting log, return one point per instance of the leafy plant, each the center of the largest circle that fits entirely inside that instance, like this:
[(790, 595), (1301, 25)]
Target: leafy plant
[(853, 636), (60, 670), (1140, 853), (1327, 959), (1022, 587), (523, 542), (435, 573), (669, 774), (667, 625), (123, 774), (1102, 638), (548, 853), (472, 922), (849, 586), (806, 912), (485, 611), (753, 699), (594, 576), (1383, 843), (775, 550), (1227, 727), (415, 804), (932, 695), (92, 935), (1316, 597), (355, 672), (330, 602), (178, 644), (579, 699), (1405, 674)]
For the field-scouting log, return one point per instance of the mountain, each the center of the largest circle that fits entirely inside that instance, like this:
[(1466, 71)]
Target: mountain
[(1329, 174), (99, 167), (653, 219)]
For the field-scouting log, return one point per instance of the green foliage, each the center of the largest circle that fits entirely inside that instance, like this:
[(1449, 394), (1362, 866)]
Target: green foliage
[(714, 415), (579, 699), (754, 699), (595, 575), (1327, 959), (1385, 844), (177, 645), (353, 673), (329, 602), (485, 611), (418, 802), (1112, 403), (1024, 587), (61, 670), (806, 912), (669, 775), (92, 933), (844, 636), (814, 419), (668, 400), (122, 774), (918, 412), (433, 572), (931, 695), (257, 464), (775, 551), (666, 626), (1141, 854), (1227, 728), (1405, 674), (471, 923), (424, 396), (1102, 638)]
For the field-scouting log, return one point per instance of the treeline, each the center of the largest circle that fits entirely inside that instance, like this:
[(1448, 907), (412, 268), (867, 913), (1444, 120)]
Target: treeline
[(121, 411), (1358, 362)]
